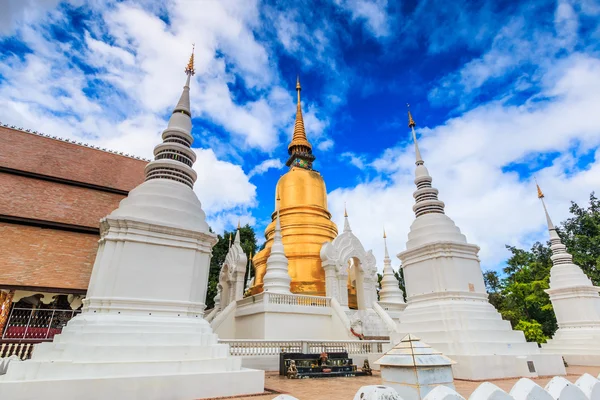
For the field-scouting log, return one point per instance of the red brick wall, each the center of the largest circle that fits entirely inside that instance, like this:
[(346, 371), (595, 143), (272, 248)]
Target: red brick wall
[(32, 153), (48, 258), (49, 201)]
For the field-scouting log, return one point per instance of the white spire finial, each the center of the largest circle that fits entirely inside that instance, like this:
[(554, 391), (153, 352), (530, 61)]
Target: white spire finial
[(346, 222), (541, 197), (386, 255), (411, 125)]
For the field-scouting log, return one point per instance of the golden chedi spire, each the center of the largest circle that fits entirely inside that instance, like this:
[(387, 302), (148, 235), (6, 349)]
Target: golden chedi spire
[(189, 69), (299, 149), (301, 202), (540, 194)]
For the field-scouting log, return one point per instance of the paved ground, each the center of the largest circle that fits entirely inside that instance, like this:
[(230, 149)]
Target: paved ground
[(345, 388)]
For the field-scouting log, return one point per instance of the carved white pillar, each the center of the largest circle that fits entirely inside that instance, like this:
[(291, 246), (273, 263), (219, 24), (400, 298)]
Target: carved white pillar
[(239, 285), (331, 284), (342, 284)]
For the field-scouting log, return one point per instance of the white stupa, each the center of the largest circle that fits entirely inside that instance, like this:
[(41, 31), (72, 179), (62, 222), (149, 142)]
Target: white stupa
[(447, 303), (576, 303), (141, 334), (277, 278), (391, 297)]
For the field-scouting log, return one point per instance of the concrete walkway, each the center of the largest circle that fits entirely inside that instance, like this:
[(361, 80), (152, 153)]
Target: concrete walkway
[(345, 388)]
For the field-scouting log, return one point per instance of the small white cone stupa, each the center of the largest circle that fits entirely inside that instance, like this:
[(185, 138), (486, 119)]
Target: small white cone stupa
[(576, 303), (142, 334), (391, 297), (277, 278), (414, 368)]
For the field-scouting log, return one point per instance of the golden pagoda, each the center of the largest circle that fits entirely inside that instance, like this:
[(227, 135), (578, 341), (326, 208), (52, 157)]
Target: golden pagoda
[(305, 221)]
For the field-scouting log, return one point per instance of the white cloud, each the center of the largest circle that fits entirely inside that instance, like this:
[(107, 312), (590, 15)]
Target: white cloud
[(265, 166), (325, 145), (373, 13), (468, 158), (357, 160), (221, 185)]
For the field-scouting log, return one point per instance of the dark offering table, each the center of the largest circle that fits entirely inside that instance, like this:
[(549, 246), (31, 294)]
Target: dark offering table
[(314, 366)]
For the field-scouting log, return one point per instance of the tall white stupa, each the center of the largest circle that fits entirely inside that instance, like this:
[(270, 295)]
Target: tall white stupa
[(576, 304), (142, 334), (277, 278), (447, 302)]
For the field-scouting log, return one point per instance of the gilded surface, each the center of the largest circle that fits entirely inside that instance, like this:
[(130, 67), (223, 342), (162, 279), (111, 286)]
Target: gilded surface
[(305, 225)]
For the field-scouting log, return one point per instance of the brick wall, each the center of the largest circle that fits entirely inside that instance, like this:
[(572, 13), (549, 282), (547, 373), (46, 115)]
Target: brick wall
[(47, 258), (33, 153), (31, 256), (26, 197)]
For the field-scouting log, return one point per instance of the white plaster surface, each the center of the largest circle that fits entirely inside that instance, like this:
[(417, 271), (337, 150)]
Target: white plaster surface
[(141, 334)]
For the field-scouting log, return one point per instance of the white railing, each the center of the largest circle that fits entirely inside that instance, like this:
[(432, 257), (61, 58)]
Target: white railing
[(262, 347), (222, 316), (389, 322), (211, 314), (275, 347), (297, 300), (285, 299)]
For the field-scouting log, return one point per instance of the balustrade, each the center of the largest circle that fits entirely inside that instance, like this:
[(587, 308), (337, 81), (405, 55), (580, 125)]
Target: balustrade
[(286, 299), (275, 347), (21, 350)]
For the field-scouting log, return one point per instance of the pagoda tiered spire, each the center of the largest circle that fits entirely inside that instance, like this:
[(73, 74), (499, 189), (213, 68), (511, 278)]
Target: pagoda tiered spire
[(299, 149), (390, 291), (174, 158), (559, 250), (426, 196)]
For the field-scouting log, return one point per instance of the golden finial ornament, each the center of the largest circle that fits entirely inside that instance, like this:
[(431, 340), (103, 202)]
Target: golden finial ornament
[(189, 69), (345, 211), (230, 237), (384, 235), (239, 224), (540, 194), (298, 87), (411, 121)]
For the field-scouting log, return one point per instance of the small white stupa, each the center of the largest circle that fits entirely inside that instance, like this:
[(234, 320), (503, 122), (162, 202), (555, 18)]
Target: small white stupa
[(447, 302), (142, 334), (391, 297), (277, 278), (576, 303)]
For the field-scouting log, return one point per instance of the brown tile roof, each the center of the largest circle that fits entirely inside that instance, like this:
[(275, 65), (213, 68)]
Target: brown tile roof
[(42, 155)]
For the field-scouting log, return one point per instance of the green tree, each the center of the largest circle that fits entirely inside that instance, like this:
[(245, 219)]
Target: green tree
[(400, 277), (532, 330), (581, 235), (219, 251)]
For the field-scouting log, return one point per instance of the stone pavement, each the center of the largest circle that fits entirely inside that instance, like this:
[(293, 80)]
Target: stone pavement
[(345, 388)]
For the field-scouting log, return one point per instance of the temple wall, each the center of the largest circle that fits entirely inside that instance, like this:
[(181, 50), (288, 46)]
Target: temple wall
[(45, 258)]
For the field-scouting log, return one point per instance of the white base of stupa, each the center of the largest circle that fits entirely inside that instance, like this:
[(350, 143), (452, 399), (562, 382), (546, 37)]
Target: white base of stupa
[(468, 329), (100, 356), (276, 316), (578, 346)]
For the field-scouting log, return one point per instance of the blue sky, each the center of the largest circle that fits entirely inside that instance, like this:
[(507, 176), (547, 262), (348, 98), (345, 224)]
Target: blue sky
[(501, 91)]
